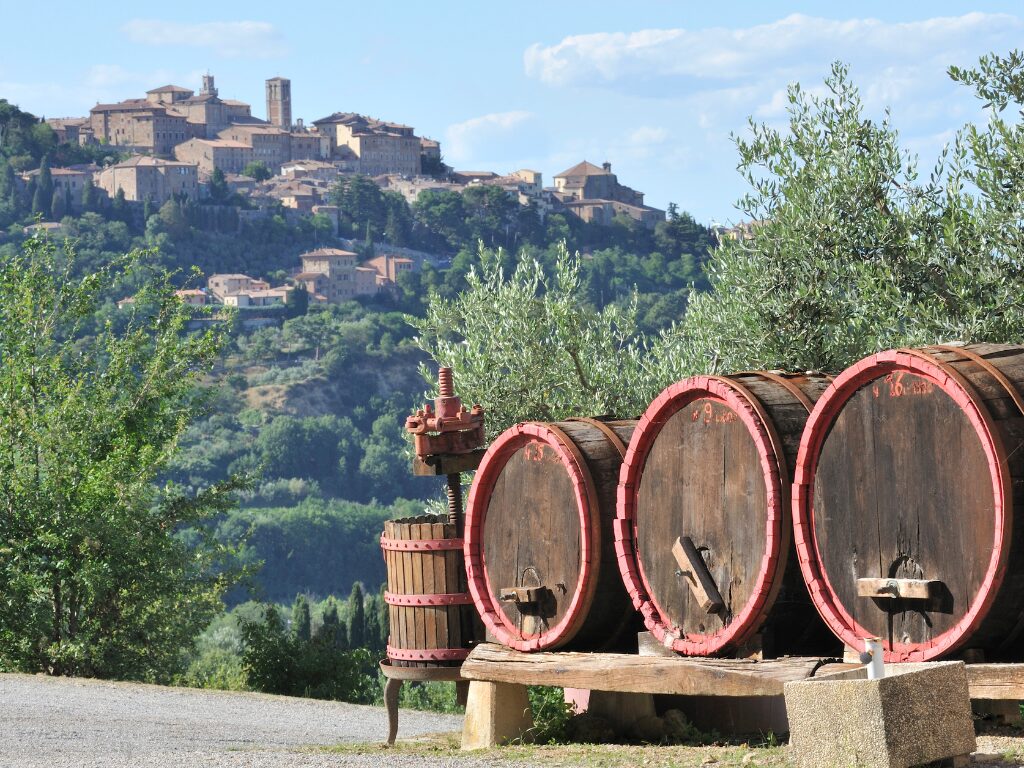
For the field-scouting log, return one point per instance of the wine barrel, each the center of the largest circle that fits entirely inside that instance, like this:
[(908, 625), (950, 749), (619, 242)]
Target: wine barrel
[(704, 532), (431, 621), (540, 553), (908, 501)]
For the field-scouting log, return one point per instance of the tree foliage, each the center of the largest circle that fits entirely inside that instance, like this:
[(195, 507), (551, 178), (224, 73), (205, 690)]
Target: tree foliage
[(852, 250), (94, 576), (529, 347)]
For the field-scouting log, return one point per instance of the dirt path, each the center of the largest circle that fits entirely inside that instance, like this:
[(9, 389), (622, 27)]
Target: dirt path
[(60, 722)]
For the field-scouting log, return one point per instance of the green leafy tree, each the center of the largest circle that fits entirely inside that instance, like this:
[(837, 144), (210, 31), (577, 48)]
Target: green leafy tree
[(97, 577), (257, 170), (218, 188)]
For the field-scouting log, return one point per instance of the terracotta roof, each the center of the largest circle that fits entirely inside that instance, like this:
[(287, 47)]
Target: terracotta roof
[(146, 160), (309, 275), (583, 169), (328, 252), (235, 103), (175, 88)]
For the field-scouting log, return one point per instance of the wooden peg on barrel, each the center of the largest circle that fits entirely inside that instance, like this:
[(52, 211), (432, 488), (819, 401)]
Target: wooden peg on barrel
[(698, 577)]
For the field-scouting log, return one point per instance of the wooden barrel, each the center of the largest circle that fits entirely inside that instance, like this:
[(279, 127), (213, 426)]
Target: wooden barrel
[(907, 498), (704, 529), (431, 621), (540, 552)]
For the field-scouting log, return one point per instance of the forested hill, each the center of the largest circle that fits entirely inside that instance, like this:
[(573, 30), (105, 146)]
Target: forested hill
[(312, 404)]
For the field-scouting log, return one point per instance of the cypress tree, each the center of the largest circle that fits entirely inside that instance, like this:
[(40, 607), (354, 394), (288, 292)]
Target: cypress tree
[(301, 620), (42, 200), (119, 208), (356, 618), (57, 209), (385, 618), (88, 196)]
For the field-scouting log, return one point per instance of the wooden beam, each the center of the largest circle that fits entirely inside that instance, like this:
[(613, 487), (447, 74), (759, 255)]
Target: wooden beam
[(637, 674), (899, 589), (447, 463), (699, 578), (996, 681)]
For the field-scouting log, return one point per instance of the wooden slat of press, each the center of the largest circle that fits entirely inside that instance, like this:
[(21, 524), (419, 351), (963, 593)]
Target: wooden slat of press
[(429, 615), (441, 585), (419, 613), (408, 637), (394, 579), (452, 584)]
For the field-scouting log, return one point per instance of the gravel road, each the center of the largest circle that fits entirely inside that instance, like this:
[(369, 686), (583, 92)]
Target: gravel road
[(73, 723)]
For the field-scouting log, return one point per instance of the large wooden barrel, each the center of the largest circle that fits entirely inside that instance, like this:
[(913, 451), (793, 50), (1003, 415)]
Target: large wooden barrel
[(429, 609), (540, 552), (908, 502), (704, 528)]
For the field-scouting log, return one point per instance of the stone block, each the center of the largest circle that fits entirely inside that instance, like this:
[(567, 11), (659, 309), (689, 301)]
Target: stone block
[(496, 713), (918, 713)]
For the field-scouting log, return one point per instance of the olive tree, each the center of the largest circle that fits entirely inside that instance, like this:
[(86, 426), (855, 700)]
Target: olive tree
[(527, 346), (853, 250)]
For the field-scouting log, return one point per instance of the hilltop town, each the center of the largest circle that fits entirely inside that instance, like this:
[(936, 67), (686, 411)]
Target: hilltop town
[(177, 144)]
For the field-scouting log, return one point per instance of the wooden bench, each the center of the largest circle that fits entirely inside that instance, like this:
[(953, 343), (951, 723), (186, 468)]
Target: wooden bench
[(497, 709)]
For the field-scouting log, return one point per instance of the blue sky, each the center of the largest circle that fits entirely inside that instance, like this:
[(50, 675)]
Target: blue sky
[(656, 88)]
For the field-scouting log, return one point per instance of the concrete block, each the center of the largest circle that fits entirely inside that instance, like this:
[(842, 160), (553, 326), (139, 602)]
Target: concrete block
[(918, 713), (496, 713)]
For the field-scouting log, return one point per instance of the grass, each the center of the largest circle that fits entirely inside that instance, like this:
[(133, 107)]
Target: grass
[(587, 755)]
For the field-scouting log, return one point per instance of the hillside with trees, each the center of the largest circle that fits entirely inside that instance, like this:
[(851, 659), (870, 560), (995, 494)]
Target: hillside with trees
[(260, 459)]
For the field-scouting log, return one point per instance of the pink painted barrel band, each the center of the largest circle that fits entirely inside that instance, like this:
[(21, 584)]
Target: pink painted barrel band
[(451, 598), (428, 654), (419, 545)]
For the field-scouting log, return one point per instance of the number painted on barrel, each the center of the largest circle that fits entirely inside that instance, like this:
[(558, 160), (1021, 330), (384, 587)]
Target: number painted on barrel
[(706, 412), (901, 383)]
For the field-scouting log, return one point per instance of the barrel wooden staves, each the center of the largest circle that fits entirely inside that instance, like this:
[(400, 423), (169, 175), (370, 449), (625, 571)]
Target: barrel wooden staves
[(908, 502), (429, 608), (539, 549), (704, 528)]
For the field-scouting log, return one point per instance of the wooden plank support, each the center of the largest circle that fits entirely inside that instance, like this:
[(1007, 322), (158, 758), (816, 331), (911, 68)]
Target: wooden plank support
[(900, 589), (996, 681), (447, 463), (630, 673), (699, 578)]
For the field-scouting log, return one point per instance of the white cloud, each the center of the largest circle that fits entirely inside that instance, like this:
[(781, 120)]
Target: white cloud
[(646, 136), (471, 139), (720, 55), (227, 39)]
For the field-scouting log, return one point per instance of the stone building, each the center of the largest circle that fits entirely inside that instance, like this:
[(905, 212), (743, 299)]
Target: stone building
[(595, 195), (377, 147), (232, 284), (166, 117), (139, 125), (270, 145), (329, 274), (68, 180), (279, 102), (72, 130), (150, 178), (210, 154)]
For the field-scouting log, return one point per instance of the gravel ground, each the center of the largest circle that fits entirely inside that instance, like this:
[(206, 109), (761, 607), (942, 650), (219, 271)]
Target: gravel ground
[(73, 723)]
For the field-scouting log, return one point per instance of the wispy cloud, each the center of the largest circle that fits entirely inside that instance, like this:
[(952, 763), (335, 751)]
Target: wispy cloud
[(473, 138), (722, 55), (226, 39)]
